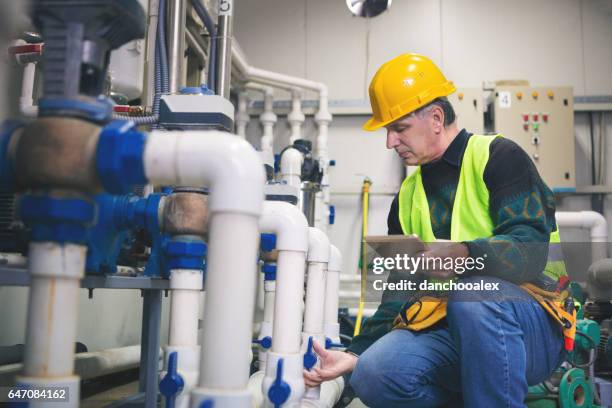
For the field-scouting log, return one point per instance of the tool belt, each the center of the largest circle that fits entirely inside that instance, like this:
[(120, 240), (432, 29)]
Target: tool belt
[(429, 310)]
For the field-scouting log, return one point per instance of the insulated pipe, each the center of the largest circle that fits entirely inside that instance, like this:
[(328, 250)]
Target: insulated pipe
[(291, 167), (56, 271), (176, 44), (242, 116), (591, 220), (318, 258), (223, 57), (231, 168), (291, 230), (296, 118), (332, 289)]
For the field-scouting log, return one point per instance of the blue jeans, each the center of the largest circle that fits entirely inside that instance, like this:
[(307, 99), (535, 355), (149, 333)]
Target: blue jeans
[(486, 354)]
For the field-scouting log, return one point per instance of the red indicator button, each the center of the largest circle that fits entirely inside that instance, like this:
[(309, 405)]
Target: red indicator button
[(535, 117)]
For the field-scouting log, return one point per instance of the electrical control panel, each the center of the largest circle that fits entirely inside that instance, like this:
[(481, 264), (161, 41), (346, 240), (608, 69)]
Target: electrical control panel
[(468, 106), (541, 121)]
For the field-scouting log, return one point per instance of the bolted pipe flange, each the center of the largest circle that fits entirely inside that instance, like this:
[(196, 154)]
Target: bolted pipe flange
[(185, 213), (58, 152)]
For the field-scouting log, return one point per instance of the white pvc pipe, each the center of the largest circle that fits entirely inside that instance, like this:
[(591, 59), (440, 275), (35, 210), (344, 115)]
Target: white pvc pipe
[(322, 118), (332, 288), (291, 229), (242, 115), (591, 220), (231, 168), (186, 285), (26, 101), (318, 258), (267, 119), (295, 118), (268, 320), (291, 167), (56, 271)]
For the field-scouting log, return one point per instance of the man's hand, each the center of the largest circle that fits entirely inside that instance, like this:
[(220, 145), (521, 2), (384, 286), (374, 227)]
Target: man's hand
[(454, 251), (334, 363)]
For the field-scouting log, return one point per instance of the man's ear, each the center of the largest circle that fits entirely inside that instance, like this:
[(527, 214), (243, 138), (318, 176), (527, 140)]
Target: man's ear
[(437, 117)]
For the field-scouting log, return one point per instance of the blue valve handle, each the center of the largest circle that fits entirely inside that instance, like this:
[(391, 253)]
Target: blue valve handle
[(330, 344), (280, 390), (264, 342), (310, 358), (172, 384)]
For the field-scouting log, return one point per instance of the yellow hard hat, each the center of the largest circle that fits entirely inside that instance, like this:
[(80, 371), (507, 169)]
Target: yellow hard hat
[(403, 85)]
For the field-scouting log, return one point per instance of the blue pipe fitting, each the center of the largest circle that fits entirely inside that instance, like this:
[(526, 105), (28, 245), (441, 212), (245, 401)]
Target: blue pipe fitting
[(330, 344), (99, 110), (119, 157), (268, 242), (310, 358), (332, 163), (185, 254), (172, 383), (279, 391), (57, 219), (332, 214), (269, 270), (7, 175), (264, 342)]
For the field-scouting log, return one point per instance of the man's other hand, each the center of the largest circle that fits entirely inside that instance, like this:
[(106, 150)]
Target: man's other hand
[(334, 363)]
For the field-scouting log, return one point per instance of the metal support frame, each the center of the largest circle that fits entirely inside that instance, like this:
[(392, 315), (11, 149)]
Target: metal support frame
[(149, 349), (151, 322)]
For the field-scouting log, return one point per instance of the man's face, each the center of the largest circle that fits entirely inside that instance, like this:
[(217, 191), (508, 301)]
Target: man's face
[(415, 137)]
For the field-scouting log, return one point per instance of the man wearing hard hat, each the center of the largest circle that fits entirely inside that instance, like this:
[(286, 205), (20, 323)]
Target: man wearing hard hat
[(484, 194)]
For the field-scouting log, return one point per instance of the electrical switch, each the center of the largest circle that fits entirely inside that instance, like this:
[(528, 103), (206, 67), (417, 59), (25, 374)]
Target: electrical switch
[(535, 117), (536, 127), (545, 117)]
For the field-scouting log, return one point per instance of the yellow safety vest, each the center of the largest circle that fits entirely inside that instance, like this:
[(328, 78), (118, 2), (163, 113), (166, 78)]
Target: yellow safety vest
[(470, 220)]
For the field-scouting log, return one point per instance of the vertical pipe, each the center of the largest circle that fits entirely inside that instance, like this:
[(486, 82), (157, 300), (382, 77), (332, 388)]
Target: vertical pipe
[(149, 78), (176, 44), (227, 327), (288, 302), (56, 271), (223, 70), (184, 306), (315, 292)]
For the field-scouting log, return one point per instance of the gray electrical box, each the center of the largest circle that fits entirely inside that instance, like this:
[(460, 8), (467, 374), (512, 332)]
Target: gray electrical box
[(469, 108), (541, 121)]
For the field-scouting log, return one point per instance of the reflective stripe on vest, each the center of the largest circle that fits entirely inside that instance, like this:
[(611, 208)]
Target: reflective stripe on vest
[(470, 214)]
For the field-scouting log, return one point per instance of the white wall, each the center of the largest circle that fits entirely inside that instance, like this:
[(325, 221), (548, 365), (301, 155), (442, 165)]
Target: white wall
[(547, 42), (112, 318)]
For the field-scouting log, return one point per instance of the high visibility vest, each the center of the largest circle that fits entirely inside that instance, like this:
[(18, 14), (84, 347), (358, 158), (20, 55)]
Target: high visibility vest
[(470, 215), (471, 220)]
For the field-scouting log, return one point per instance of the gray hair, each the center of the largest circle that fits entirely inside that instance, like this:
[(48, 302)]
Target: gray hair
[(444, 104)]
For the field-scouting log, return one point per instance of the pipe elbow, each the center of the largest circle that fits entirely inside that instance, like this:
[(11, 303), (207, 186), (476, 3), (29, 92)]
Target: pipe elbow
[(597, 223), (288, 223), (335, 259), (318, 246), (291, 162), (225, 163)]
